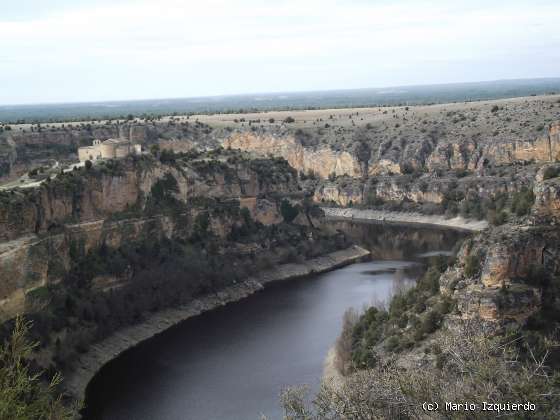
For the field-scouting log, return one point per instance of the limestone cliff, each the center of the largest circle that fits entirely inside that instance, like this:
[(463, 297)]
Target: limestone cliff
[(499, 276), (547, 195), (421, 189), (389, 159), (322, 161), (119, 202)]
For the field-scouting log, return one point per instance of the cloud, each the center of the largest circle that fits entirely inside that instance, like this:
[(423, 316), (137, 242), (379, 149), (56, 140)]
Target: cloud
[(242, 42)]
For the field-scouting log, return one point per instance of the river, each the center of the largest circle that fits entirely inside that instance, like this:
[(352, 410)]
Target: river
[(232, 363)]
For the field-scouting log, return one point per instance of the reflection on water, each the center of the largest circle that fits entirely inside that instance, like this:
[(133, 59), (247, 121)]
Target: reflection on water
[(401, 243), (434, 254), (232, 363)]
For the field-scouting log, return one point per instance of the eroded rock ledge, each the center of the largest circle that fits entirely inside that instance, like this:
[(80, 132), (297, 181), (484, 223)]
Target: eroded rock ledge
[(405, 218), (102, 352)]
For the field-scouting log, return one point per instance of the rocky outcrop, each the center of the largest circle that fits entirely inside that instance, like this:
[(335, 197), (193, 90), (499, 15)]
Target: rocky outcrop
[(31, 262), (453, 154), (544, 148), (384, 167), (89, 196), (499, 276), (547, 194), (343, 194), (320, 161), (108, 205), (422, 189), (8, 156)]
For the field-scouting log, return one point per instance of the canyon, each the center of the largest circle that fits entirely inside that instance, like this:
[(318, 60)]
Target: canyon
[(96, 255)]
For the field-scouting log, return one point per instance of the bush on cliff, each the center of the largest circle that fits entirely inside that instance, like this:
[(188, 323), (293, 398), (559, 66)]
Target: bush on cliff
[(522, 201), (551, 172), (472, 265), (289, 212)]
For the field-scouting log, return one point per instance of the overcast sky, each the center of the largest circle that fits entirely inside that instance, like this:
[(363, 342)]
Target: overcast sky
[(89, 50)]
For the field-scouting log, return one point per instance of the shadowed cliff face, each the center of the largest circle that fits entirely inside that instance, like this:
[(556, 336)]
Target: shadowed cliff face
[(393, 242)]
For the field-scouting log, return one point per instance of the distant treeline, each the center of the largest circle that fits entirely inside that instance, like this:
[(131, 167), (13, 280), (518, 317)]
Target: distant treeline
[(405, 95)]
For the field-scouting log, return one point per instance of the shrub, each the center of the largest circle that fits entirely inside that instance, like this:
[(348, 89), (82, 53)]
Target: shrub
[(551, 172), (472, 265), (522, 202), (497, 218), (430, 281), (444, 306), (431, 322), (288, 211), (167, 156), (154, 149), (471, 366), (165, 187), (392, 343), (22, 395)]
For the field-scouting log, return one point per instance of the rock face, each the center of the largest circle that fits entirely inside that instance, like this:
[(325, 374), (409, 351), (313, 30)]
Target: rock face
[(547, 195), (389, 159), (455, 156), (345, 195), (8, 156), (499, 275), (421, 189), (321, 161), (80, 199), (32, 261), (39, 226)]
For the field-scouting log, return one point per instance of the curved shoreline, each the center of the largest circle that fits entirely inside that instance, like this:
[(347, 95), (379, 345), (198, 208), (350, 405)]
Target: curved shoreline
[(99, 354), (401, 218)]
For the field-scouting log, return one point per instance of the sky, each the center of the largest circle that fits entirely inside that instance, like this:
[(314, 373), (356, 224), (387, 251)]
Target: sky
[(97, 50)]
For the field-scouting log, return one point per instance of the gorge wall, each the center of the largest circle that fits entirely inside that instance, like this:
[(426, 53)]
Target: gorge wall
[(417, 154), (501, 275), (423, 174), (115, 205)]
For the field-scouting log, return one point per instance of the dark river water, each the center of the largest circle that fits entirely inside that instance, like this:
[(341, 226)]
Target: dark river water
[(232, 363)]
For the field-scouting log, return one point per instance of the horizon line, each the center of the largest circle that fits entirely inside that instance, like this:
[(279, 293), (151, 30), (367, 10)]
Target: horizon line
[(30, 104)]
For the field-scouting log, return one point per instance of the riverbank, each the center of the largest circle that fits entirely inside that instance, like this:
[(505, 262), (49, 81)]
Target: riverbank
[(401, 218), (99, 354)]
